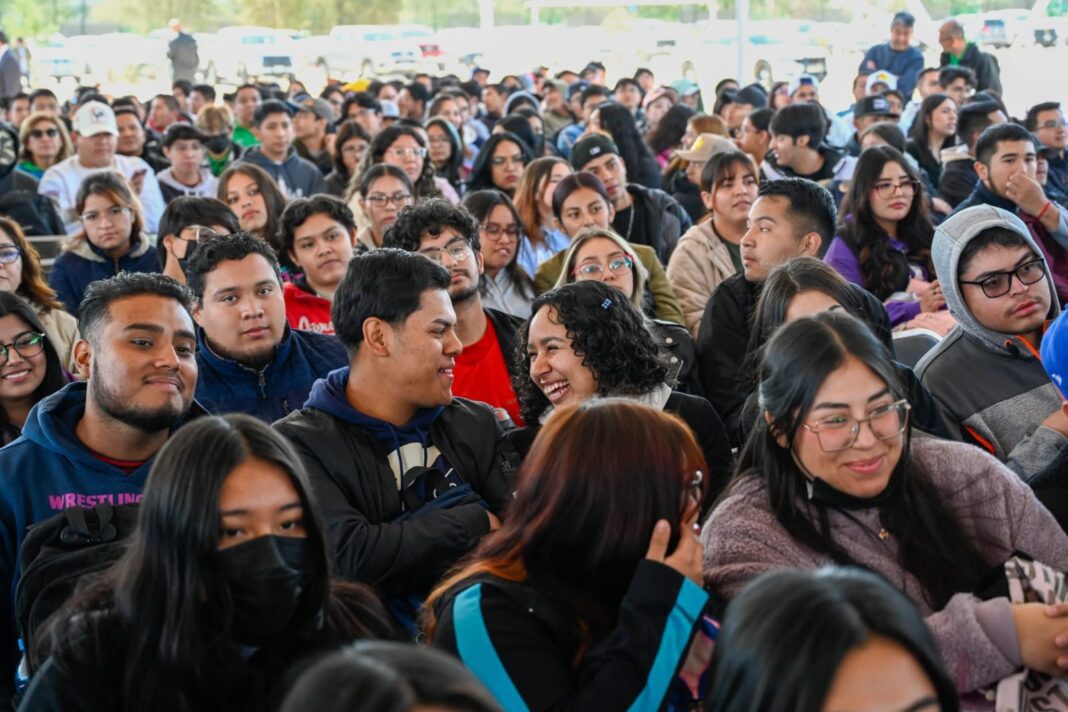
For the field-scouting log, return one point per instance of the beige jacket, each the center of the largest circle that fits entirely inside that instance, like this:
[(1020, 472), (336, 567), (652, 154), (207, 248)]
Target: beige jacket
[(700, 262), (62, 330)]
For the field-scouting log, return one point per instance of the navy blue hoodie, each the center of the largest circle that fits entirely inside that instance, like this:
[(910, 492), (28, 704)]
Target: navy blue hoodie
[(42, 473)]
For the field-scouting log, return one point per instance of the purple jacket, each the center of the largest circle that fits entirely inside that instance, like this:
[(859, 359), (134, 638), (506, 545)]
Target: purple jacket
[(841, 257), (742, 540)]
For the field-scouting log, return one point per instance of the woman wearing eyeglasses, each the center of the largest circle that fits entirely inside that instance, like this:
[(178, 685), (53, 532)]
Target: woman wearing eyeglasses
[(404, 147), (350, 144), (30, 366), (500, 164), (884, 240), (504, 285), (384, 190), (45, 142), (111, 239), (832, 475)]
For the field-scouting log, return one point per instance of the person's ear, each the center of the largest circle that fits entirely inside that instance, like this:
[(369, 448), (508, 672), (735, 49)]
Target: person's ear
[(810, 244), (778, 435), (352, 237), (801, 142), (706, 199), (377, 337), (168, 244), (982, 171), (479, 261), (198, 312), (83, 358)]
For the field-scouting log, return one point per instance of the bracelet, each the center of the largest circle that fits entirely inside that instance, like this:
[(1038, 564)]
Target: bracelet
[(1043, 210)]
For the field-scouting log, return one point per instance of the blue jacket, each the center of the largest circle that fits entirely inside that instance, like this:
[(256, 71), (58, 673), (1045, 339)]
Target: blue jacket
[(42, 473), (904, 64), (297, 177), (75, 269), (226, 386)]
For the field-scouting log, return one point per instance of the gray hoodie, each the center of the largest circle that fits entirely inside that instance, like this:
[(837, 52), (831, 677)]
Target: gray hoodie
[(991, 385)]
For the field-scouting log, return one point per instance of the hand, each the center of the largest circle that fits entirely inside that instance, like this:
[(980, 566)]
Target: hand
[(932, 300), (1025, 191), (686, 559), (1058, 420), (1042, 632), (494, 523)]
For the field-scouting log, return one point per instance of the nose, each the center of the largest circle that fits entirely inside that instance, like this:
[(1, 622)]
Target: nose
[(251, 308), (539, 365), (453, 346), (167, 357), (865, 436)]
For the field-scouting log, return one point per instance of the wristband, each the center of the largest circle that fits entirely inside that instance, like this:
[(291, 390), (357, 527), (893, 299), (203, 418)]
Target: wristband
[(1043, 210)]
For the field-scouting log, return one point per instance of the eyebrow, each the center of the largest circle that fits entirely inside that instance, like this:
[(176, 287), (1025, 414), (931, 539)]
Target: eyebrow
[(240, 512), (448, 323), (545, 340), (157, 329), (765, 218), (324, 233), (876, 396), (989, 273), (235, 288)]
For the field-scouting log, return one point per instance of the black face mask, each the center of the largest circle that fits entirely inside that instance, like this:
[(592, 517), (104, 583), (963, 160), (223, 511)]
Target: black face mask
[(268, 577), (218, 144), (190, 248)]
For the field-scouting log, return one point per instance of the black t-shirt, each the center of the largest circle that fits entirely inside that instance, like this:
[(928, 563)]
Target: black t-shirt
[(638, 232)]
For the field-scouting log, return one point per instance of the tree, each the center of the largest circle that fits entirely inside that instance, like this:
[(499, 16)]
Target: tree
[(34, 18)]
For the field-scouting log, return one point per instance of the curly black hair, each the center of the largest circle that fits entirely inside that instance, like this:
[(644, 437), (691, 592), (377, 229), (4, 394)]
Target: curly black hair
[(606, 331), (431, 216)]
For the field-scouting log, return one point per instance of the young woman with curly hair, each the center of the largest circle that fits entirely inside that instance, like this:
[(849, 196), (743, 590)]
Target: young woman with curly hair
[(586, 340), (404, 147)]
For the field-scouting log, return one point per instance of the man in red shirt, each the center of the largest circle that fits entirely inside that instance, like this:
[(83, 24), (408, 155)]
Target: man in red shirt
[(448, 235)]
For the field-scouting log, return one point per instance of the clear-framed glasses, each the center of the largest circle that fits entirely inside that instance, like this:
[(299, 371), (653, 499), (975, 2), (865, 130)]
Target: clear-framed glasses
[(594, 270), (458, 251), (113, 213), (195, 233), (440, 140), (998, 284), (496, 232), (26, 344), (405, 152), (354, 149), (399, 199), (9, 254), (886, 190), (839, 432), (1053, 124)]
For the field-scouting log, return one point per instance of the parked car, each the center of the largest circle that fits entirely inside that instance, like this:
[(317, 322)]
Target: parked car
[(245, 53), (363, 50), (54, 59)]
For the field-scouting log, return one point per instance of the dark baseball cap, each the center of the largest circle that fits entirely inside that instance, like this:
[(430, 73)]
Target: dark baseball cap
[(591, 147), (874, 106)]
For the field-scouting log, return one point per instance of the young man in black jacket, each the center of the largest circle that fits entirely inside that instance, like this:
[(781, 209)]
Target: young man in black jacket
[(449, 236), (790, 218), (407, 476)]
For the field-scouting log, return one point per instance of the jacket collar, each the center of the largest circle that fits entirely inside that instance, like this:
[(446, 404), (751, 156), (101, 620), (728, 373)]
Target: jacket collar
[(83, 248), (214, 361)]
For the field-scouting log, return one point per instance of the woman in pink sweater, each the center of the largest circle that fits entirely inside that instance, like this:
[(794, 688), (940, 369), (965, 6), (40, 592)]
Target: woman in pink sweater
[(831, 475)]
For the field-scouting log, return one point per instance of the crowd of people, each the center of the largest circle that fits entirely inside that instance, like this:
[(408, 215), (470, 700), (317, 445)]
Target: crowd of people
[(537, 393)]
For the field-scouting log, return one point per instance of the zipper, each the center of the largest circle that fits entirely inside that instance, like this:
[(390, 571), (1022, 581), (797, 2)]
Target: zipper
[(263, 384)]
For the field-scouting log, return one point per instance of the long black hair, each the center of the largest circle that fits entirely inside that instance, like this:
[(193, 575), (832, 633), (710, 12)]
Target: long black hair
[(156, 628), (452, 168), (919, 133), (786, 634), (54, 377), (480, 204), (482, 172), (885, 269), (617, 120), (669, 132), (798, 359), (606, 331)]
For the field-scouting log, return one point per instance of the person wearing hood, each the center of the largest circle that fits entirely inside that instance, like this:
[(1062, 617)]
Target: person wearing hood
[(183, 145), (94, 441), (111, 240), (408, 477), (798, 150), (251, 361), (1006, 162), (999, 289), (273, 126)]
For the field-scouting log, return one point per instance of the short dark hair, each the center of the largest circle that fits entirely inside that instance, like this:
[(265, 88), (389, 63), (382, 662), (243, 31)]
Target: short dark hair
[(386, 284), (169, 100), (269, 108), (811, 205), (642, 70), (973, 119), (992, 236), (235, 247), (925, 71), (889, 132), (94, 311), (298, 212), (797, 120), (626, 81), (181, 131), (761, 118), (431, 216), (1031, 120), (184, 84), (903, 18), (572, 183), (595, 90), (188, 210), (987, 145), (418, 92), (205, 90), (248, 86), (38, 93), (379, 170), (949, 74), (126, 110)]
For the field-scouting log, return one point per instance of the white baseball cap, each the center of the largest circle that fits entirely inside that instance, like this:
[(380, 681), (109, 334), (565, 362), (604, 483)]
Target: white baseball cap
[(95, 118), (881, 77)]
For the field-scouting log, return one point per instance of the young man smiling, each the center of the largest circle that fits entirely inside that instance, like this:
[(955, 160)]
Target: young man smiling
[(250, 360)]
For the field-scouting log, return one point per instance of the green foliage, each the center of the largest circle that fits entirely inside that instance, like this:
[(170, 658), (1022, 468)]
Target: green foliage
[(34, 18)]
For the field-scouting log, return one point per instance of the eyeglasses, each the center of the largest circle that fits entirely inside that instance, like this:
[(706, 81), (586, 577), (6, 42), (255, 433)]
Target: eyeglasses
[(41, 133), (195, 233), (998, 284), (405, 152), (1053, 124), (495, 231), (354, 149), (398, 199), (26, 344), (887, 190), (458, 252), (592, 270), (839, 432), (113, 213), (439, 139), (9, 254), (513, 160)]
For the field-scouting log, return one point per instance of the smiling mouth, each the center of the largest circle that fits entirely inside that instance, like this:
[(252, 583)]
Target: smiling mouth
[(17, 375), (555, 391)]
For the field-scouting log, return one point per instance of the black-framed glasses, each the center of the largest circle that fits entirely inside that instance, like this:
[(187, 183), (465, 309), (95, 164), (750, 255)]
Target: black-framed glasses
[(26, 344), (839, 432), (398, 199), (458, 251), (886, 190), (9, 254), (998, 284), (496, 232), (592, 270)]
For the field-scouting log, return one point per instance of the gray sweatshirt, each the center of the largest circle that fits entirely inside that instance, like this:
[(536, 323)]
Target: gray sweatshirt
[(743, 539)]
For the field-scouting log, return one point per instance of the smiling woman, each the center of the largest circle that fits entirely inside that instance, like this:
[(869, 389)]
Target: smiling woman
[(30, 368)]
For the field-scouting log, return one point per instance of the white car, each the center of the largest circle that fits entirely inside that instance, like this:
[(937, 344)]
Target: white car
[(351, 51), (243, 54)]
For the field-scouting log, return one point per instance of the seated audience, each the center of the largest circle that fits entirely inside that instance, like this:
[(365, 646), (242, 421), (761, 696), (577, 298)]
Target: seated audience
[(504, 285), (183, 146), (251, 361), (541, 236), (405, 148), (350, 143), (798, 149), (112, 239), (499, 164), (254, 198), (44, 142), (220, 150), (296, 177)]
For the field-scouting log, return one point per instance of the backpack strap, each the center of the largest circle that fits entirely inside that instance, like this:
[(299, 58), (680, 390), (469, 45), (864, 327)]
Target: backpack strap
[(79, 532)]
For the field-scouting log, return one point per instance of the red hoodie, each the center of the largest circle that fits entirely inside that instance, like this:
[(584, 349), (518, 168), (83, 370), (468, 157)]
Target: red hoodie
[(307, 311)]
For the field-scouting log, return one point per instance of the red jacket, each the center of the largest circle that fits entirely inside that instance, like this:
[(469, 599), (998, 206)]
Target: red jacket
[(307, 311)]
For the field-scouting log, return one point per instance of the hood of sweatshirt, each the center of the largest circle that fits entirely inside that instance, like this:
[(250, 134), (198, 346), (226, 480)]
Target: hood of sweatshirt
[(950, 239)]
